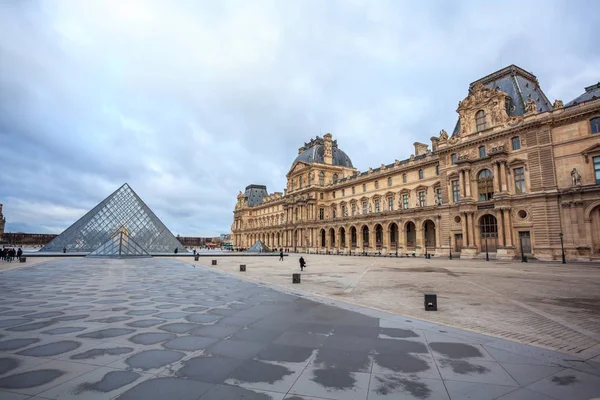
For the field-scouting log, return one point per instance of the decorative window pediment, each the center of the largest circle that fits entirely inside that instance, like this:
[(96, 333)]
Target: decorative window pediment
[(421, 188), (405, 191), (591, 151), (517, 162)]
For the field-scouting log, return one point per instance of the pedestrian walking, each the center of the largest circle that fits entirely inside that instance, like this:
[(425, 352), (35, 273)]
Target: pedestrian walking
[(19, 253), (281, 255), (302, 263)]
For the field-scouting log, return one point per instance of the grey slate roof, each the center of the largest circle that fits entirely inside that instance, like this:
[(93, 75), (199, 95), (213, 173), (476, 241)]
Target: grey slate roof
[(520, 85), (255, 194), (315, 154), (591, 93)]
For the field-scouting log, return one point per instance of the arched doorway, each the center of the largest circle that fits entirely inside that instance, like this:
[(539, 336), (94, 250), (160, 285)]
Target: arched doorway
[(365, 236), (378, 236), (353, 237), (429, 234), (410, 232), (331, 237), (342, 237), (322, 237), (488, 229), (393, 228)]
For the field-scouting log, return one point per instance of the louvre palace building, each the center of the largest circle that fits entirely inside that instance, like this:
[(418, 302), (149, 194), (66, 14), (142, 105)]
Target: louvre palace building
[(517, 173)]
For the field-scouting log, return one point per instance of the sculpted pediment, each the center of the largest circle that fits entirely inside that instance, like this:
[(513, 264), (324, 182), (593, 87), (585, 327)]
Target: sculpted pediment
[(481, 98), (298, 167)]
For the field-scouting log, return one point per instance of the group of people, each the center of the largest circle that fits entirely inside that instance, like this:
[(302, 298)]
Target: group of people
[(301, 260), (8, 254)]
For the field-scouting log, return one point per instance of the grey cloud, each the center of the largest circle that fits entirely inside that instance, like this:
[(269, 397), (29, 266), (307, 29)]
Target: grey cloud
[(191, 101)]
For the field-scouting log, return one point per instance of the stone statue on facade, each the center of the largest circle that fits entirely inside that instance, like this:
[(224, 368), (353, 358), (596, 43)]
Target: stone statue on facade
[(499, 115), (370, 209), (557, 104), (530, 107), (575, 177), (443, 135)]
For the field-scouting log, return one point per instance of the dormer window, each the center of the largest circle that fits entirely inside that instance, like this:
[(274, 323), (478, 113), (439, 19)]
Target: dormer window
[(507, 105), (321, 178), (480, 120)]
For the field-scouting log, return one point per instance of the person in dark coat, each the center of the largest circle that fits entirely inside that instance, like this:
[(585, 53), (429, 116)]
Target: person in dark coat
[(281, 255), (302, 263), (19, 253)]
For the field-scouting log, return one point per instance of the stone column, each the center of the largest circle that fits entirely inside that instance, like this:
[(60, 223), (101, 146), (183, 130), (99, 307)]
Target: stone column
[(496, 172), (401, 235), (504, 176), (508, 228), (438, 233), (500, 223), (471, 228), (420, 238), (461, 179), (468, 183), (465, 232)]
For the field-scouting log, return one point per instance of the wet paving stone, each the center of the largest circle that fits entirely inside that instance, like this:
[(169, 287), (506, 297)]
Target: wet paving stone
[(171, 315), (32, 326), (166, 388), (455, 350), (48, 314), (64, 330), (208, 369), (178, 327), (111, 320), (109, 382), (140, 312), (95, 353), (5, 323), (8, 364), (146, 323), (202, 318), (189, 343), (15, 344)]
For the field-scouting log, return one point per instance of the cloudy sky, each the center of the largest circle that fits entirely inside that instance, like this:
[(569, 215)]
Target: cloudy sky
[(190, 101)]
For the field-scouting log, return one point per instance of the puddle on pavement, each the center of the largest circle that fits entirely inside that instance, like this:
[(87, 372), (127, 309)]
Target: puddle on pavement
[(30, 379), (31, 327), (115, 351), (61, 331), (389, 384), (71, 317), (455, 350), (172, 315), (110, 320), (151, 338), (51, 349), (334, 378), (8, 364), (152, 359), (15, 344), (146, 323), (564, 380), (5, 323), (398, 333), (261, 372), (189, 343), (111, 381), (178, 327), (463, 367), (107, 333), (283, 353), (400, 362), (140, 312)]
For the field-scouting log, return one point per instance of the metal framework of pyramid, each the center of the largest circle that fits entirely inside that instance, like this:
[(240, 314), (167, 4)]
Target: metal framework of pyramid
[(119, 246), (259, 247), (122, 211)]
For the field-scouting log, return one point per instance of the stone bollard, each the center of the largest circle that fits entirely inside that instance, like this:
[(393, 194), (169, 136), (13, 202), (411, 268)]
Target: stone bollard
[(214, 262), (242, 267), (23, 259), (430, 302), (296, 278)]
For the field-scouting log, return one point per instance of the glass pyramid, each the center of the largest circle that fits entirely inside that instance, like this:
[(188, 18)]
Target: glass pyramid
[(122, 211), (259, 247), (120, 246)]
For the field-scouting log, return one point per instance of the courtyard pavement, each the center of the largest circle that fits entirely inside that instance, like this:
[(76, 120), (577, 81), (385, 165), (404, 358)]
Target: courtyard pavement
[(164, 329)]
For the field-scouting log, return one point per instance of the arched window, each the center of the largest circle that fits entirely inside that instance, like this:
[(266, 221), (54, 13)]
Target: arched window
[(335, 178), (321, 178), (480, 120), (485, 185), (421, 174)]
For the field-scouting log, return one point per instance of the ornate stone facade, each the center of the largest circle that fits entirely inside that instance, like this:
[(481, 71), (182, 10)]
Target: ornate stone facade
[(2, 222), (516, 174)]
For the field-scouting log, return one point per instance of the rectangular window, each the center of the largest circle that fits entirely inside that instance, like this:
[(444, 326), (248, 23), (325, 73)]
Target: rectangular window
[(516, 143), (364, 187), (422, 199), (321, 213), (343, 192), (595, 125), (296, 211), (438, 196), (321, 196), (353, 210), (421, 174), (437, 169), (377, 205), (597, 168), (519, 180), (455, 190), (391, 203), (333, 194), (482, 152), (390, 181), (353, 190), (376, 184), (453, 158), (405, 201), (364, 205), (300, 182), (403, 178)]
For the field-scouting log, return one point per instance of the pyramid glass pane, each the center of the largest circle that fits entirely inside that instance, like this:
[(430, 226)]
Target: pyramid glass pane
[(119, 246), (258, 247), (122, 211)]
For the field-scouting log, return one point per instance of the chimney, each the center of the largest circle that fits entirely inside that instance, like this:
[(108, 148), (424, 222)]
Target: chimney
[(420, 148), (328, 149), (434, 142)]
